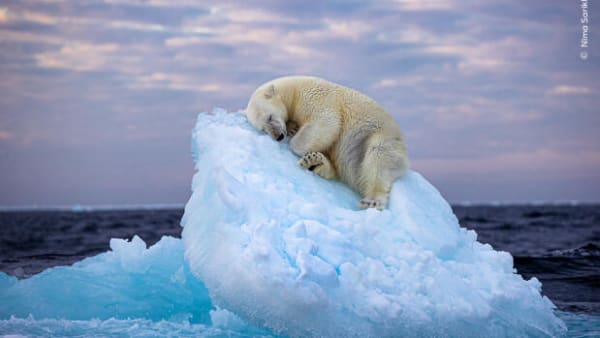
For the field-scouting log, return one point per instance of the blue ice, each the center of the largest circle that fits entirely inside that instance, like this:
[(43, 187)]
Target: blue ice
[(131, 290), (284, 248), (268, 248)]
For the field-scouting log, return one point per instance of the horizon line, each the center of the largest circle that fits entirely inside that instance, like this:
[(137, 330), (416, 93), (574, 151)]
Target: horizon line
[(169, 206)]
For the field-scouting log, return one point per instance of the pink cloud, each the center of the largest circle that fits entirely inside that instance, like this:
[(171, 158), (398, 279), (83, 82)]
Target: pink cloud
[(5, 135), (570, 90)]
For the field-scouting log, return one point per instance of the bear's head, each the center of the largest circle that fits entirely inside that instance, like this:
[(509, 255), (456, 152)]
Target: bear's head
[(267, 112)]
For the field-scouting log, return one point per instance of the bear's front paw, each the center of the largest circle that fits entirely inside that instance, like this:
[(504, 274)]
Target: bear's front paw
[(376, 203), (292, 128), (312, 160)]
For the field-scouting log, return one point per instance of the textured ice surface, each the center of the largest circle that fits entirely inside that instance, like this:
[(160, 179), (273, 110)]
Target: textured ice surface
[(284, 248)]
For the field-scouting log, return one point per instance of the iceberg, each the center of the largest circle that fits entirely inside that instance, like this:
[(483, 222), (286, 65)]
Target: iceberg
[(283, 248), (271, 249)]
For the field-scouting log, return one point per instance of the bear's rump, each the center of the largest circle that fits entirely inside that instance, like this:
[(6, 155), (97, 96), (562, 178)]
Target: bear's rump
[(384, 152), (349, 153)]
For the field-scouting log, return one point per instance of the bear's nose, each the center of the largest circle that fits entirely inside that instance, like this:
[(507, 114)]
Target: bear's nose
[(280, 138)]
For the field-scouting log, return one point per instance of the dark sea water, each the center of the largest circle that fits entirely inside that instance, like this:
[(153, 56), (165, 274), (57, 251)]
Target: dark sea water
[(560, 245)]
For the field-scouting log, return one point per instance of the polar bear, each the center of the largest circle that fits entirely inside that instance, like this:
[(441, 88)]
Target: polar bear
[(338, 133)]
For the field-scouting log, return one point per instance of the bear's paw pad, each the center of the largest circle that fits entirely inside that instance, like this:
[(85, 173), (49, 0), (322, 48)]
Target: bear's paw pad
[(312, 160), (376, 203)]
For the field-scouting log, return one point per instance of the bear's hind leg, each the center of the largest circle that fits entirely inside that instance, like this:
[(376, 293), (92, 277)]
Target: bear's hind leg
[(384, 162)]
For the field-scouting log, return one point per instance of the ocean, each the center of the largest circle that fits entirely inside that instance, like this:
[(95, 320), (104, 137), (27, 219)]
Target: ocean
[(557, 244)]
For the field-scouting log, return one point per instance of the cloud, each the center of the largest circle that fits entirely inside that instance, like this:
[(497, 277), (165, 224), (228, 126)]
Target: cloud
[(539, 161), (408, 80), (175, 81), (346, 29), (186, 41), (5, 135), (3, 15), (253, 16), (476, 55), (97, 20), (36, 17), (570, 90), (157, 3), (479, 112), (423, 5), (263, 39), (33, 38), (136, 26), (25, 15), (79, 56)]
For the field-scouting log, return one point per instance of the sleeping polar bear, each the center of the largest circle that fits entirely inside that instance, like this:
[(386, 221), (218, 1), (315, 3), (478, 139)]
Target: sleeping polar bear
[(337, 131)]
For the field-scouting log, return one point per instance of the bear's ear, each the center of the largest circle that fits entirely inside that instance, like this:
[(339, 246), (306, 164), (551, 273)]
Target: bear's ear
[(270, 92)]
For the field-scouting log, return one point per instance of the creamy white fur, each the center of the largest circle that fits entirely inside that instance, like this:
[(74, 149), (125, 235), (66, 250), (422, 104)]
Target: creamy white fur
[(338, 132)]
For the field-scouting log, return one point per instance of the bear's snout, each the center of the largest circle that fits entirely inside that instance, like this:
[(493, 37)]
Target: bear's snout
[(276, 129)]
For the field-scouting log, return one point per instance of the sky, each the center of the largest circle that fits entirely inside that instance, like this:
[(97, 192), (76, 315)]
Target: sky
[(99, 97)]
